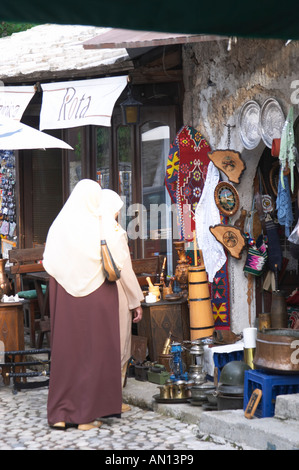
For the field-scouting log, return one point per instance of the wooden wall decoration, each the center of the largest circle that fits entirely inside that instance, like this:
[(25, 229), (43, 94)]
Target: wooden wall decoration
[(231, 238), (226, 198), (230, 162)]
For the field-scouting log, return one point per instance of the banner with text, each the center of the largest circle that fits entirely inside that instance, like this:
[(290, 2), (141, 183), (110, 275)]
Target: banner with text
[(80, 103), (14, 100)]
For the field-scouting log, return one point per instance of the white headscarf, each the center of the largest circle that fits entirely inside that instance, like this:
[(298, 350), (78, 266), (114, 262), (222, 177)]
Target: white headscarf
[(73, 247)]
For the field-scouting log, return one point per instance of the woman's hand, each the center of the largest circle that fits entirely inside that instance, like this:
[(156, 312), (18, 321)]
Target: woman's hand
[(137, 314)]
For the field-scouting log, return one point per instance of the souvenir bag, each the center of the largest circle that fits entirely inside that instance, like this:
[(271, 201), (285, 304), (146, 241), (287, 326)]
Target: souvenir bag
[(111, 271), (256, 257), (257, 252), (265, 208)]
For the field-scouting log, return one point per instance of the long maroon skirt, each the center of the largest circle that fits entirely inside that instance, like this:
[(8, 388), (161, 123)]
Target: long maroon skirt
[(85, 376)]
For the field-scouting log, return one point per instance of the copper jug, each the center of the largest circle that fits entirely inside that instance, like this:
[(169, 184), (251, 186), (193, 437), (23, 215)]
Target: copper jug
[(279, 317), (5, 285)]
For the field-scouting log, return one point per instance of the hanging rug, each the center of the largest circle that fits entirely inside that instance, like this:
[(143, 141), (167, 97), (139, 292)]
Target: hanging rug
[(193, 168)]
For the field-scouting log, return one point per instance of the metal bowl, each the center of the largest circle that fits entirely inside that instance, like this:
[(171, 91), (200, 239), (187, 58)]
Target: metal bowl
[(200, 392)]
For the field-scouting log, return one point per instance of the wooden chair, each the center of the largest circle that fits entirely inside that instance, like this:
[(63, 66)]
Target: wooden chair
[(27, 260), (146, 267)]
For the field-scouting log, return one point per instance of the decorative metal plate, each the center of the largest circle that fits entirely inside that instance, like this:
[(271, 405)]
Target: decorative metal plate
[(272, 121), (249, 124)]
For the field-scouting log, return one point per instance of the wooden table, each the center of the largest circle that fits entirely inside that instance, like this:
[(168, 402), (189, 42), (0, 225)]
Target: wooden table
[(11, 330), (42, 278), (161, 318)]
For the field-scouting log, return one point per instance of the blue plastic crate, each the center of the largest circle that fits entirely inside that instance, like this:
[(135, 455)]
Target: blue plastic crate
[(221, 359), (271, 385)]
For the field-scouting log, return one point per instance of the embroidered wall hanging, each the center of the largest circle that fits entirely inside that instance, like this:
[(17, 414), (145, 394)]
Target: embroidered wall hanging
[(172, 170), (219, 293), (193, 167), (221, 300), (180, 183)]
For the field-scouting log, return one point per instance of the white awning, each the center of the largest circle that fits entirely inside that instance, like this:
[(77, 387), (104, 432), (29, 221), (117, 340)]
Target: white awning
[(15, 135), (14, 100), (80, 103)]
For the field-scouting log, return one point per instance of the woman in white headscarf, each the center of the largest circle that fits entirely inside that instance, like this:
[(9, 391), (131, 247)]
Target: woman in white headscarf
[(84, 309)]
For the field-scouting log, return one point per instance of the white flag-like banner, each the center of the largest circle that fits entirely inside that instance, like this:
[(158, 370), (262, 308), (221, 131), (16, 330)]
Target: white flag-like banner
[(14, 100), (80, 103)]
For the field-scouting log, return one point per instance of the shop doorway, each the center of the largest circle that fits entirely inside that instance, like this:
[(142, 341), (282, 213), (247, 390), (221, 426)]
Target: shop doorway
[(141, 160), (131, 160)]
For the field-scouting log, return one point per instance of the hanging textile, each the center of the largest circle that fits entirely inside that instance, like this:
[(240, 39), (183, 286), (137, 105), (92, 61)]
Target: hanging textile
[(206, 215), (187, 142), (193, 167), (284, 204), (220, 298), (287, 153), (219, 291), (172, 170)]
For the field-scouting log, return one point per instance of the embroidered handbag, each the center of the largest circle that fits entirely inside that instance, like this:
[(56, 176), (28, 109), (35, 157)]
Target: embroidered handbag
[(111, 271), (256, 257)]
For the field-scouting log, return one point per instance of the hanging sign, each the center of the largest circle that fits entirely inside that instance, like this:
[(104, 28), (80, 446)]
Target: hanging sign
[(80, 103), (14, 100)]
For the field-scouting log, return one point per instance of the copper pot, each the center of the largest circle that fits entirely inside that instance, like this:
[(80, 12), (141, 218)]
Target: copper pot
[(277, 350)]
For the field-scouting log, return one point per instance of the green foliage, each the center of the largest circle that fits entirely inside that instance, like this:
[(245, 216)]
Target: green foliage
[(7, 29)]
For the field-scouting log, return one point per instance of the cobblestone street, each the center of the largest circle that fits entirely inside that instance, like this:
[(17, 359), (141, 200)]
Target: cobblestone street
[(23, 426)]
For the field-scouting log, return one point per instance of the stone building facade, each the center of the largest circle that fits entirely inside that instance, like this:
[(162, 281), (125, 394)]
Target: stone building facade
[(219, 78)]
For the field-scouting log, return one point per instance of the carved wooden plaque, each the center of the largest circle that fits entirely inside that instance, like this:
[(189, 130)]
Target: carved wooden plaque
[(230, 162), (230, 237)]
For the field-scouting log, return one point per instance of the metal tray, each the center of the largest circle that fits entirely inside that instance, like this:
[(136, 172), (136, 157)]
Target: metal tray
[(173, 297), (272, 121), (169, 400), (249, 124)]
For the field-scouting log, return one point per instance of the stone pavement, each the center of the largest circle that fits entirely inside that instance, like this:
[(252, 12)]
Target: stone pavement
[(149, 426), (280, 432), (23, 426)]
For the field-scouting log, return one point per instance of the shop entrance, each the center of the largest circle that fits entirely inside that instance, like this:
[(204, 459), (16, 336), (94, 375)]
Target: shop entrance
[(131, 160)]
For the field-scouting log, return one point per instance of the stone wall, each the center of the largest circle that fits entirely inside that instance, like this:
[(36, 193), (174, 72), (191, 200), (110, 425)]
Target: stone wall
[(218, 80)]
